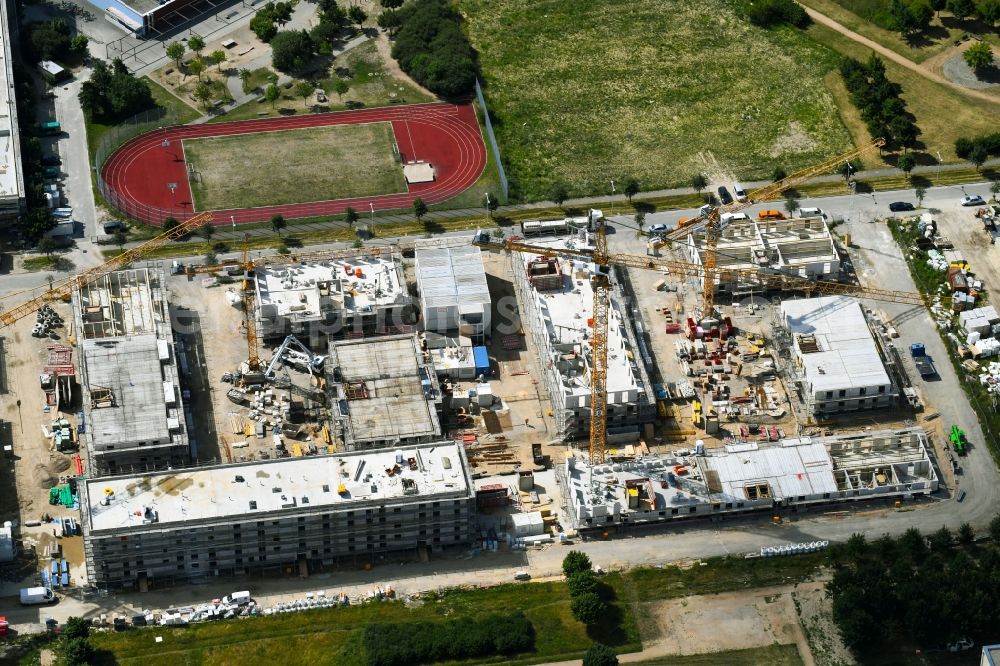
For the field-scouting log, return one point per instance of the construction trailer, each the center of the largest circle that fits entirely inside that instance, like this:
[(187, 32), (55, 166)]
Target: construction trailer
[(131, 395), (269, 517)]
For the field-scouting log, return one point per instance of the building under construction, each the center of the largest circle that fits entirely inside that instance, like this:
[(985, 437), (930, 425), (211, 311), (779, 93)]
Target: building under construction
[(802, 247), (384, 393), (131, 398), (748, 476), (359, 296), (263, 517), (556, 304)]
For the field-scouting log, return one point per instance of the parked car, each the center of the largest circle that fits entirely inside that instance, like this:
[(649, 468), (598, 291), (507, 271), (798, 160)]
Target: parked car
[(50, 172), (724, 195), (961, 645), (111, 226), (522, 575), (657, 228), (51, 160), (973, 200), (740, 192), (770, 215), (897, 206)]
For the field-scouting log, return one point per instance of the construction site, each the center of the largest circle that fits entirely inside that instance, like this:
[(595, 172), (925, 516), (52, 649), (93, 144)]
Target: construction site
[(450, 394)]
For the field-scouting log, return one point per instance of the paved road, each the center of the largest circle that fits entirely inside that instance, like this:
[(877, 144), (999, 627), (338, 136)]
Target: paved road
[(897, 58)]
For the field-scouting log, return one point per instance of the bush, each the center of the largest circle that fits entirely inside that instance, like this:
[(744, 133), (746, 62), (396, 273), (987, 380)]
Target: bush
[(582, 582), (399, 644), (600, 654), (113, 93), (575, 562), (964, 146), (431, 47), (770, 13), (49, 40), (588, 608), (878, 101)]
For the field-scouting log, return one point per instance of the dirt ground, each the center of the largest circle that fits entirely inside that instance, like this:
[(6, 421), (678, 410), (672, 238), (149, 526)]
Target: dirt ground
[(35, 466), (816, 620), (754, 618)]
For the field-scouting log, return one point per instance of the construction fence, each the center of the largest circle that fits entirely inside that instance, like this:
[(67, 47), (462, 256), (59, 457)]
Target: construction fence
[(493, 142)]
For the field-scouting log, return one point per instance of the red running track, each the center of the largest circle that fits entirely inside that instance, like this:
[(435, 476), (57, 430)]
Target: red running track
[(446, 135)]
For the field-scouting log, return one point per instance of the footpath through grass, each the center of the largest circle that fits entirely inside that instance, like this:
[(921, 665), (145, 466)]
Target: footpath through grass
[(663, 92), (772, 655), (332, 636)]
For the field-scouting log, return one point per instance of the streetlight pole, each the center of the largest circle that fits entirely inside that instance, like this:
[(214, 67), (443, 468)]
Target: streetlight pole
[(489, 211), (372, 206), (612, 198)]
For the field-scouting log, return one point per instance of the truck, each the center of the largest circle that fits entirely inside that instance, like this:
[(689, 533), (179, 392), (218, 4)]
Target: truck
[(924, 363), (32, 596), (50, 128), (536, 454), (957, 440)]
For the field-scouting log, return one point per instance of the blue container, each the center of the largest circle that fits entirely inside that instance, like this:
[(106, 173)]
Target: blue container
[(65, 580), (64, 566), (482, 360)]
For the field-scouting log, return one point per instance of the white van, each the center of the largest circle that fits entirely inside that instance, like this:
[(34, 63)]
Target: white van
[(733, 217), (739, 192), (811, 212), (238, 598)]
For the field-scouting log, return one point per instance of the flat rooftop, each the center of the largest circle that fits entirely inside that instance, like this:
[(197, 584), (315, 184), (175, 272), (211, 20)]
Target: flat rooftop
[(11, 179), (130, 369), (753, 475), (847, 356), (304, 291), (289, 484), (451, 276), (567, 313), (389, 390), (776, 243)]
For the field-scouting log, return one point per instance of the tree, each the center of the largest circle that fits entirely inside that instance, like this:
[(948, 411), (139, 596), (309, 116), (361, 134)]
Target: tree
[(113, 93), (196, 44), (76, 627), (905, 163), (220, 246), (120, 239), (995, 189), (419, 208), (272, 94), (245, 75), (46, 245), (218, 56), (350, 216), (978, 156), (340, 86), (291, 50), (989, 11), (965, 534), (581, 582), (791, 205), (79, 45), (491, 202), (196, 66), (961, 9), (357, 15), (995, 528), (175, 51), (574, 562), (558, 192), (920, 192), (432, 48), (170, 223), (979, 57), (210, 258), (778, 173), (391, 4), (389, 21), (206, 231), (699, 182), (278, 223), (36, 222), (631, 188), (203, 93), (941, 540), (600, 654), (78, 652), (587, 608), (640, 219), (305, 90)]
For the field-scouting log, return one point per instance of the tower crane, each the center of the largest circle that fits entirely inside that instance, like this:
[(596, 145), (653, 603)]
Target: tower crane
[(713, 219), (602, 261), (64, 289)]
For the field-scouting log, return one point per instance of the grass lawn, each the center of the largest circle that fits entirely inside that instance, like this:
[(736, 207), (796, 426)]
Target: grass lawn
[(315, 164), (665, 93), (331, 636), (772, 655), (40, 263), (942, 114), (869, 18)]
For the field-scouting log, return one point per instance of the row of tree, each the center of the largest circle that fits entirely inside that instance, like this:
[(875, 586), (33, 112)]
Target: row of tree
[(37, 220), (405, 643), (113, 93), (928, 590), (265, 22), (879, 102), (54, 40), (431, 47), (977, 149)]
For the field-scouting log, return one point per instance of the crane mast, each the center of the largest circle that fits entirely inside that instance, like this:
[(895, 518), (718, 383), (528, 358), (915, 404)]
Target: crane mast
[(601, 284)]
